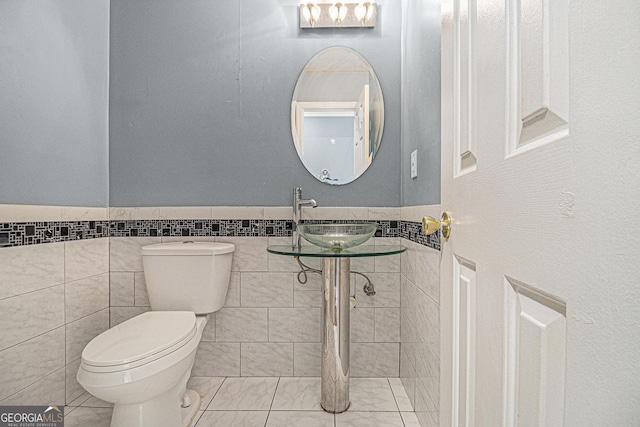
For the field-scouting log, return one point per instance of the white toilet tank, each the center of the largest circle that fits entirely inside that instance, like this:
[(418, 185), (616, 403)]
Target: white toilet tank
[(187, 276)]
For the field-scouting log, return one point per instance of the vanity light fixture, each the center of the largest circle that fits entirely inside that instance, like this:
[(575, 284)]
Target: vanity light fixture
[(338, 14)]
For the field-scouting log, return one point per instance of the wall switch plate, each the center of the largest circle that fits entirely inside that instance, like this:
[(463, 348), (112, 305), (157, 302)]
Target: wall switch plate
[(414, 164)]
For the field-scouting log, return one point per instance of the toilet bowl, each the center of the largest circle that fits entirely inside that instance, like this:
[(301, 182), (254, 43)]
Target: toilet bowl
[(143, 364)]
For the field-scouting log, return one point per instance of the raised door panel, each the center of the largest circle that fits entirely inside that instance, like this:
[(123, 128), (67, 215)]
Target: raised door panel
[(538, 68), (465, 95), (536, 332), (464, 342)]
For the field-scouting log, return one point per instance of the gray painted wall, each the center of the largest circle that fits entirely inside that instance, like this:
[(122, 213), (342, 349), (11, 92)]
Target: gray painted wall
[(199, 103), (200, 96), (421, 101), (54, 102)]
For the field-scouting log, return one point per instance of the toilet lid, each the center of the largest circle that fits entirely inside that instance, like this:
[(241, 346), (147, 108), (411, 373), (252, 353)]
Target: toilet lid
[(141, 339)]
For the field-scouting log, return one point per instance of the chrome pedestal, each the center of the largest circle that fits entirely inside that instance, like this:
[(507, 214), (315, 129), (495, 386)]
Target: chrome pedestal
[(335, 334), (336, 307)]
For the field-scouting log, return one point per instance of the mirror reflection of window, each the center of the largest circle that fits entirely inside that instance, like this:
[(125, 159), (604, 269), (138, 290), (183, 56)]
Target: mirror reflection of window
[(337, 115)]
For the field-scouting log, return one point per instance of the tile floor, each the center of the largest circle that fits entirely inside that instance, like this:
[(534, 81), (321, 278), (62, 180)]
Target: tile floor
[(274, 401)]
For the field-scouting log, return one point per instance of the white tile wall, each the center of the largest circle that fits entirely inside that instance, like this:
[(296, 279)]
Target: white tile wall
[(238, 212), (375, 359), (25, 316), (387, 325), (72, 389), (266, 359), (420, 330), (140, 296), (124, 252), (85, 258), (217, 359), (24, 213), (121, 289), (266, 289), (307, 298), (233, 293), (270, 325), (295, 324), (362, 324), (30, 268), (242, 325), (268, 309), (209, 333), (80, 332), (307, 359), (329, 213), (250, 254), (30, 361), (118, 315), (134, 213), (48, 389), (54, 298), (86, 296)]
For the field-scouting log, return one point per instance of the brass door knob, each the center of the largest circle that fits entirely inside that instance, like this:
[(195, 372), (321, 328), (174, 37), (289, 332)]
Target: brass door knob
[(431, 225)]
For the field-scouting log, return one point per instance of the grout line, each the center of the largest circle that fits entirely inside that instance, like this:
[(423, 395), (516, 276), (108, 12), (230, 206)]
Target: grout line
[(272, 400), (196, 418), (212, 395), (5, 398), (215, 394), (71, 409), (395, 399), (32, 338), (89, 396), (32, 291), (239, 358), (274, 394), (293, 359)]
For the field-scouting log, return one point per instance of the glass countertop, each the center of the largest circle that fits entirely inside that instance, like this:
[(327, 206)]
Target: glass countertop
[(318, 252)]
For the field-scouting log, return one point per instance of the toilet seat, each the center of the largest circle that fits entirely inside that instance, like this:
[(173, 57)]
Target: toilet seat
[(139, 341)]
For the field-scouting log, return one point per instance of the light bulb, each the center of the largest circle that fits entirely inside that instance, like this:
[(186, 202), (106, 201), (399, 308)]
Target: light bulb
[(311, 12), (364, 12), (338, 11)]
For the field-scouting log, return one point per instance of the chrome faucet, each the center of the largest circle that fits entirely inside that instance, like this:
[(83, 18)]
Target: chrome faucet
[(297, 207)]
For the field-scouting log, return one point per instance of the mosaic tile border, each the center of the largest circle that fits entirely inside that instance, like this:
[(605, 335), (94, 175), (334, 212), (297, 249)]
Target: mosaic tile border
[(201, 228), (31, 233), (413, 231), (37, 232), (226, 227)]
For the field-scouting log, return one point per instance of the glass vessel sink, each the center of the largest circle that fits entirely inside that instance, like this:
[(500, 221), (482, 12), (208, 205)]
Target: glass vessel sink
[(337, 237)]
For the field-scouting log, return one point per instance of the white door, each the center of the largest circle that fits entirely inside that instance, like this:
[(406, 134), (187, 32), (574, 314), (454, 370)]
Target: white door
[(540, 311)]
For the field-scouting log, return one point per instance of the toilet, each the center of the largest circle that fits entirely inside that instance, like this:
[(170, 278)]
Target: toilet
[(143, 364)]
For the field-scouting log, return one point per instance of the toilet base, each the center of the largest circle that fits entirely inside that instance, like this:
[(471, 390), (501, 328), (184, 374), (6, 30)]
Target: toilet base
[(163, 411), (189, 413)]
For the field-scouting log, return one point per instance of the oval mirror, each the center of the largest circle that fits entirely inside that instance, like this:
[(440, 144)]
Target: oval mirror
[(337, 115)]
